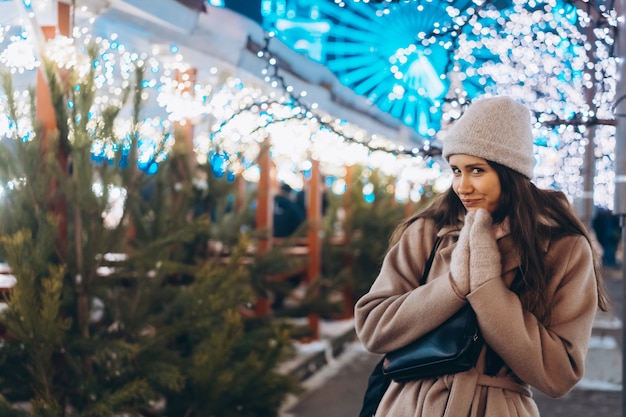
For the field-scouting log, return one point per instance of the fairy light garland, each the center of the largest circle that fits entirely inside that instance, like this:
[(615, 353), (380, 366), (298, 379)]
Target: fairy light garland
[(543, 49), (275, 79), (560, 128)]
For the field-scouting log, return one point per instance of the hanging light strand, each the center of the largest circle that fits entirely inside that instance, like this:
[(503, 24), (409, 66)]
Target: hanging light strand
[(274, 77)]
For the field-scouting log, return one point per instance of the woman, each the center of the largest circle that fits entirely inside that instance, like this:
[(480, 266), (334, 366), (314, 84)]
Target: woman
[(519, 255)]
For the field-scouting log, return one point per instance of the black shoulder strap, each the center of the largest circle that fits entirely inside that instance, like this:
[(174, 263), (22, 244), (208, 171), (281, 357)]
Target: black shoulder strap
[(429, 262)]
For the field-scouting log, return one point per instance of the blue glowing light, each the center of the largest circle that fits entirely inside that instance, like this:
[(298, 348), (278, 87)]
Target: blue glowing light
[(387, 53), (401, 55), (219, 164)]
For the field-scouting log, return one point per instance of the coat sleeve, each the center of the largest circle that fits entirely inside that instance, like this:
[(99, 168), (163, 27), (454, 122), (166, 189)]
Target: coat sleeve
[(395, 311), (550, 358)]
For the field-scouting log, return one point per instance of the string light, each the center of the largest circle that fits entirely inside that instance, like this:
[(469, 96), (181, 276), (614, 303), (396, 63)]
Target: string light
[(539, 52), (274, 76), (534, 51)]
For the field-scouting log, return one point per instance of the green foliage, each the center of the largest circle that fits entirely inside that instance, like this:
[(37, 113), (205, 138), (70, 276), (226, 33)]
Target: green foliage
[(137, 315), (353, 265)]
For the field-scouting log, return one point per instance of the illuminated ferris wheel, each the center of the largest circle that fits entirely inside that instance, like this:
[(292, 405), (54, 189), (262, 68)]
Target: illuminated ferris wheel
[(415, 59), (398, 55)]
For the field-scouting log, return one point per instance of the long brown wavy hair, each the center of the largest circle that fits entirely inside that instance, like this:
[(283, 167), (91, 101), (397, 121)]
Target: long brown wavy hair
[(524, 204)]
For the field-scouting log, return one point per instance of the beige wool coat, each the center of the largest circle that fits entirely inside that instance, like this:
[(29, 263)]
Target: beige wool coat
[(397, 311)]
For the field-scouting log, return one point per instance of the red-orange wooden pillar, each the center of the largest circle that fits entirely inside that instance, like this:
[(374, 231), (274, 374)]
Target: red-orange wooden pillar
[(46, 115), (45, 112), (184, 130), (347, 291), (347, 195), (264, 214), (314, 217), (43, 101)]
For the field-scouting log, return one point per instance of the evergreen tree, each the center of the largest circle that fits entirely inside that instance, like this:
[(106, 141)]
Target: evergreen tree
[(369, 222), (135, 316)]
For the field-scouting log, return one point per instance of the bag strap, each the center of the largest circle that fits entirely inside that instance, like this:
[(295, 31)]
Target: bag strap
[(430, 260)]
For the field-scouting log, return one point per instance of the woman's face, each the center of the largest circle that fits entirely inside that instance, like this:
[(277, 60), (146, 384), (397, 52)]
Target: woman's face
[(475, 182)]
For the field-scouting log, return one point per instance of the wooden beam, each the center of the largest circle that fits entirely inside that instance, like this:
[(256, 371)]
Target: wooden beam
[(65, 21), (46, 115), (314, 218), (264, 214)]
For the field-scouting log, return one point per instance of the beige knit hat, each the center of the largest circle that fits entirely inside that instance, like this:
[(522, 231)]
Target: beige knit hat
[(497, 129)]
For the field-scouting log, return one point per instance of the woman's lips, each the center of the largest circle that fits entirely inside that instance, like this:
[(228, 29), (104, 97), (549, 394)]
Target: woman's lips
[(470, 203)]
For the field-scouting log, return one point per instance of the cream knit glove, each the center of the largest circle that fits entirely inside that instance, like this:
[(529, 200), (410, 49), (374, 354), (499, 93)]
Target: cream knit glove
[(485, 255), (460, 259)]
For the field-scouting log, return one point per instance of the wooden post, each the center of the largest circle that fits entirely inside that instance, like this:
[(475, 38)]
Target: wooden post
[(185, 161), (43, 101), (264, 214), (46, 115), (314, 217), (347, 197), (348, 293)]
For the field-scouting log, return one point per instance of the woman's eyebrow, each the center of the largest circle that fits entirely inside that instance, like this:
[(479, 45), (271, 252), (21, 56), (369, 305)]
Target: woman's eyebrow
[(470, 166)]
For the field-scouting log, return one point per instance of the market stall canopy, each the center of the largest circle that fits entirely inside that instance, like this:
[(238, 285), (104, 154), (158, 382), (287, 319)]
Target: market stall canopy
[(223, 37)]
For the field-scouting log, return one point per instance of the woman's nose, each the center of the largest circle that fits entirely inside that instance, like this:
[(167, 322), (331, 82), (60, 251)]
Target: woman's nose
[(464, 185)]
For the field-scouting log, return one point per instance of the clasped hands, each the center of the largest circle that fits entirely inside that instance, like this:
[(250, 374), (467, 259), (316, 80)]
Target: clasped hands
[(476, 257)]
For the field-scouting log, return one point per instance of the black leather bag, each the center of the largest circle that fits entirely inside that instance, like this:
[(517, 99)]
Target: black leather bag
[(452, 347)]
